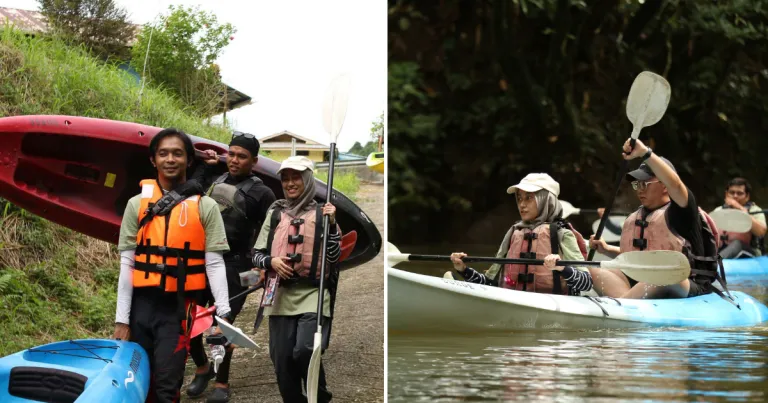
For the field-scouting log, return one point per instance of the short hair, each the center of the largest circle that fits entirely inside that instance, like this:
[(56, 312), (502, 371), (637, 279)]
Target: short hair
[(740, 182), (169, 132)]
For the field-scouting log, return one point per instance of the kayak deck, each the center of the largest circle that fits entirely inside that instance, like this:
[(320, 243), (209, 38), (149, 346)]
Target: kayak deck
[(423, 303)]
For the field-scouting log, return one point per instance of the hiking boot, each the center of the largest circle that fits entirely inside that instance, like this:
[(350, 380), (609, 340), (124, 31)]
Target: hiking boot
[(219, 395), (198, 385)]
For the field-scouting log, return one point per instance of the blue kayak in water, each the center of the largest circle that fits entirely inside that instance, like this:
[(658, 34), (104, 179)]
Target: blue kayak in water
[(755, 266), (95, 370)]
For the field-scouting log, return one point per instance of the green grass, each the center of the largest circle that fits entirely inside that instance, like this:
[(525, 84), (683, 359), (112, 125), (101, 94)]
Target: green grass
[(56, 284), (346, 182)]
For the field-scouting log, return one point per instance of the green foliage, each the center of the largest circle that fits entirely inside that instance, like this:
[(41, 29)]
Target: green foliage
[(361, 150), (344, 182), (100, 25), (482, 93), (377, 128), (183, 47)]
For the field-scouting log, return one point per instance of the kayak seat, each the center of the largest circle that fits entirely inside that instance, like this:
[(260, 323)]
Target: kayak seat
[(46, 384)]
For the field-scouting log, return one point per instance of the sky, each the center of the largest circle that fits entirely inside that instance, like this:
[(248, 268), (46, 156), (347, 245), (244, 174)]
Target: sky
[(284, 56)]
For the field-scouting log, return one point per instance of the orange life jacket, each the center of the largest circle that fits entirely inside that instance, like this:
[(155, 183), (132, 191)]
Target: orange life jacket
[(170, 249)]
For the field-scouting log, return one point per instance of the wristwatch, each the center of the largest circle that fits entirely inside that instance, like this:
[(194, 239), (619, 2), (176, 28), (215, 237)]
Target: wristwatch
[(648, 154)]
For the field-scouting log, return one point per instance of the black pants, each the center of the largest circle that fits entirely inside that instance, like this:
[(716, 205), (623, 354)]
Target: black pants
[(197, 348), (156, 327), (734, 248), (291, 341)]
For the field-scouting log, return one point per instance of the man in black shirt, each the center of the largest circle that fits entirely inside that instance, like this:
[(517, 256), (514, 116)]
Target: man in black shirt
[(243, 200), (669, 219)]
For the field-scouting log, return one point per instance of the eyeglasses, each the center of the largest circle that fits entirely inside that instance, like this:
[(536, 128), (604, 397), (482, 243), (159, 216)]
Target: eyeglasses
[(641, 185)]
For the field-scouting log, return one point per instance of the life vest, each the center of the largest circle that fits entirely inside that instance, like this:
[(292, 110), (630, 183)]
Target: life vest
[(537, 243), (300, 239), (170, 250), (747, 238), (241, 230), (650, 230)]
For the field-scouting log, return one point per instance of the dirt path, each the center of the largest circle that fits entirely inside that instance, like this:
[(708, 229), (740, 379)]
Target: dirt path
[(354, 361)]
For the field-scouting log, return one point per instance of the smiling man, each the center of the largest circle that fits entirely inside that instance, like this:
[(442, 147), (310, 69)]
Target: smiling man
[(166, 258), (750, 243)]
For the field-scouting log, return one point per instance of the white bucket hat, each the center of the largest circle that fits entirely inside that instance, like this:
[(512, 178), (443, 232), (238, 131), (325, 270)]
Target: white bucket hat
[(297, 163), (536, 182)]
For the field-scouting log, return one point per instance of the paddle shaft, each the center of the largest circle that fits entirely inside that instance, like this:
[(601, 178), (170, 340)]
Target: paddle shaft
[(607, 212), (326, 225), (212, 309), (535, 262)]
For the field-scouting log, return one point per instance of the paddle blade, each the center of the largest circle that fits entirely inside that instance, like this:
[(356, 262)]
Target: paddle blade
[(234, 335), (313, 372), (392, 248), (659, 267), (335, 106), (647, 101), (732, 220), (203, 321), (568, 209)]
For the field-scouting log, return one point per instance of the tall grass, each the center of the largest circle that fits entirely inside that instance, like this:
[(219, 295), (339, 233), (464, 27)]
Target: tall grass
[(346, 182), (56, 284)]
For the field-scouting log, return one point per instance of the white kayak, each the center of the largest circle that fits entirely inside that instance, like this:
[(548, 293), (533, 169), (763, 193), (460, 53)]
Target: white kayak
[(423, 303)]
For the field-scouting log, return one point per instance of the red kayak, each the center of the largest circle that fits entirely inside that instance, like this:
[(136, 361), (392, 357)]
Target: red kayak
[(80, 172)]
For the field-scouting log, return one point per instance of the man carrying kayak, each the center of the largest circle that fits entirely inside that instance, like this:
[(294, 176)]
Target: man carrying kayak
[(668, 219), (747, 244), (164, 259), (540, 234), (243, 200), (288, 247)]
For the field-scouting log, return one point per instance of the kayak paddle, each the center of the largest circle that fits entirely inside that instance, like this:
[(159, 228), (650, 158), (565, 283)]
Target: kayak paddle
[(647, 101), (658, 267), (334, 112), (569, 210), (732, 220), (204, 318)]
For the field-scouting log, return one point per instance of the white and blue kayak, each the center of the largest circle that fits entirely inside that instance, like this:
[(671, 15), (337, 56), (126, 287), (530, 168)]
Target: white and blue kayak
[(756, 266), (418, 303)]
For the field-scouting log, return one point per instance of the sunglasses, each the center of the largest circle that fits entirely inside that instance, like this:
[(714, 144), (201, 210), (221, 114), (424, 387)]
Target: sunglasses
[(641, 185), (241, 134)]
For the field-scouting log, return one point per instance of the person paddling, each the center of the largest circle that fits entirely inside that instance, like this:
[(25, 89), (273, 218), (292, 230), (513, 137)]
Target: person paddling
[(746, 244), (668, 219), (540, 234)]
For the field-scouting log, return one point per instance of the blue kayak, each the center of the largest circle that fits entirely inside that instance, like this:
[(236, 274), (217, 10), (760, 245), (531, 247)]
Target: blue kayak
[(418, 303), (756, 266), (94, 370)]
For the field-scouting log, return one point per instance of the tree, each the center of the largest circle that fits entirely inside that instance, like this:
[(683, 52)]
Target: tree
[(361, 150), (184, 46), (100, 25), (377, 128)]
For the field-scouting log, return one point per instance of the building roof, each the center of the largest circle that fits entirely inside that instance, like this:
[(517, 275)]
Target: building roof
[(285, 136)]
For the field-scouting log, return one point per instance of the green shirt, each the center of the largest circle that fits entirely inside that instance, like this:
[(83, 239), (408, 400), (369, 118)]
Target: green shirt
[(215, 235), (295, 299), (759, 217), (569, 250)]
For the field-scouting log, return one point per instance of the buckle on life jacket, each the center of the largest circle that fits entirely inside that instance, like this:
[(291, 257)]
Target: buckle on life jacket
[(294, 257), (523, 278), (296, 222), (294, 239), (641, 223), (530, 236), (641, 243), (527, 255)]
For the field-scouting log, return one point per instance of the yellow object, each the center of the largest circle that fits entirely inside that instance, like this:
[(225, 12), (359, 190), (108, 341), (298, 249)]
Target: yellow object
[(375, 161), (110, 181)]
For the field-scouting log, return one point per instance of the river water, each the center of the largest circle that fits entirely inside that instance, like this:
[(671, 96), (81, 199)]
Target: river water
[(664, 365)]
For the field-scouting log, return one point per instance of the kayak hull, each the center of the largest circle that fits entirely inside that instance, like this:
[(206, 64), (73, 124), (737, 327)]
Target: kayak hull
[(59, 370), (80, 173), (375, 161), (423, 303)]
